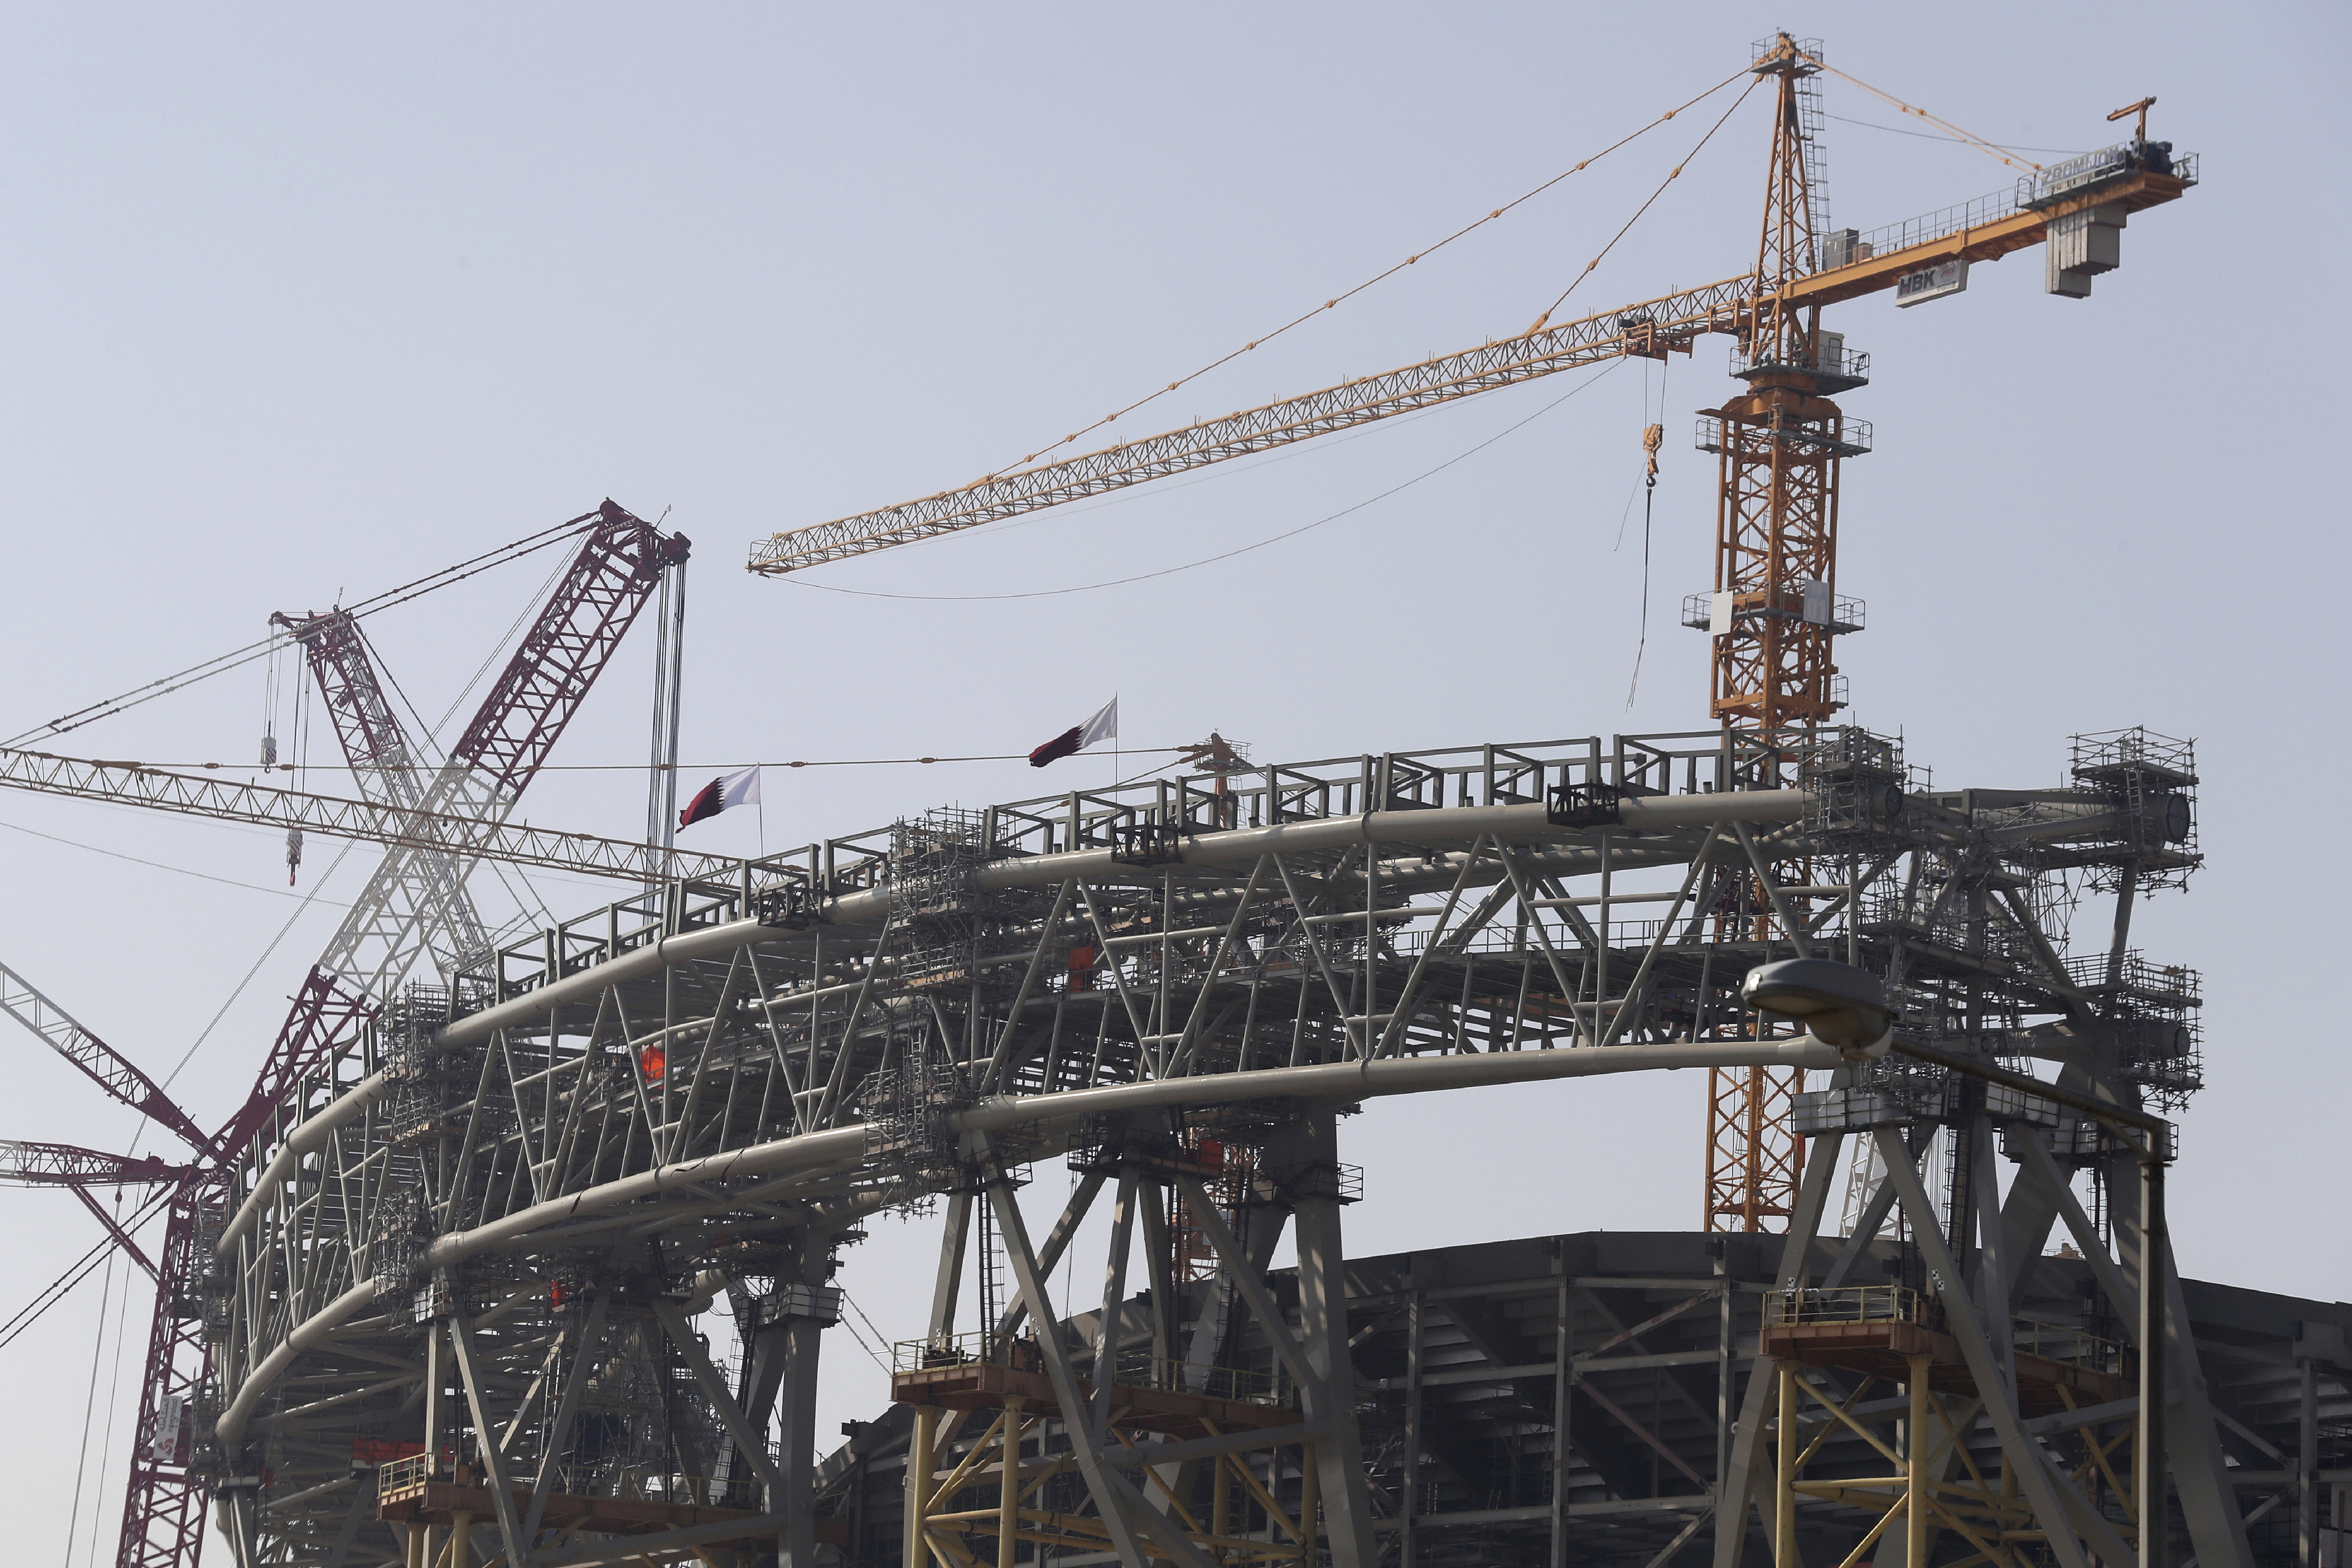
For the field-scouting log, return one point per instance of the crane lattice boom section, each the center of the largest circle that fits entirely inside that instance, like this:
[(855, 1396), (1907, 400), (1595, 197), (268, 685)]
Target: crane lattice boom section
[(420, 896), (66, 1165), (105, 1066), (1647, 327), (337, 816), (1980, 231)]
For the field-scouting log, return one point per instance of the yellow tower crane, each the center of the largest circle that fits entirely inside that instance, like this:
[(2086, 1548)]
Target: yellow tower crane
[(1774, 614)]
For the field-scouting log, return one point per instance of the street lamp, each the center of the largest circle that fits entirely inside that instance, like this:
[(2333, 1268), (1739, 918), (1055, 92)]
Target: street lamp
[(1839, 1005)]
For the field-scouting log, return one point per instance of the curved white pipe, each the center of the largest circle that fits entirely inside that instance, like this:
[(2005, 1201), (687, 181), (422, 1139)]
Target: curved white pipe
[(311, 1135), (1514, 823), (1330, 1081), (1519, 823)]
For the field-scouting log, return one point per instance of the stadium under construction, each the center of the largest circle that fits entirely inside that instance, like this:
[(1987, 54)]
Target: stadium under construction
[(527, 1246)]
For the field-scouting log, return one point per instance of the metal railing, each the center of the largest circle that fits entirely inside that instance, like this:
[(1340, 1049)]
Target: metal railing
[(1843, 247), (1847, 613), (1129, 1369), (2107, 164), (1851, 366), (2070, 1347), (1851, 438), (602, 1479), (645, 1483), (403, 1475), (1848, 1304), (1862, 1304)]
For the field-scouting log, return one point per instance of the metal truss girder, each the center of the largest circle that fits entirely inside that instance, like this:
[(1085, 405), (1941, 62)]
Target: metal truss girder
[(65, 1166), (101, 1063), (1724, 307), (467, 837), (422, 890)]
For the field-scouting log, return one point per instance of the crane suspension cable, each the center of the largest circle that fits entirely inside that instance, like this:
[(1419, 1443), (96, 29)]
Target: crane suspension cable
[(1335, 301), (160, 866), (220, 664), (1675, 175), (1240, 550), (1978, 143), (1939, 136), (76, 1272)]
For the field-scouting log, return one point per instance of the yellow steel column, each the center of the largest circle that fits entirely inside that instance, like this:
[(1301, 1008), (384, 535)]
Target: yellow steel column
[(1008, 1494), (1915, 1469), (919, 1464), (1221, 1504), (416, 1546), (1784, 1514), (1309, 1500)]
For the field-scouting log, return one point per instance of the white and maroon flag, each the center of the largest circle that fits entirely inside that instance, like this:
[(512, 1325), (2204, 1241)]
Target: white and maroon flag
[(1103, 726), (740, 788)]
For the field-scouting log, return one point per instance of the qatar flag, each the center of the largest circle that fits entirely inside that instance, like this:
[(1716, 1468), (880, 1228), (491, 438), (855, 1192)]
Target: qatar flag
[(728, 789), (1103, 726)]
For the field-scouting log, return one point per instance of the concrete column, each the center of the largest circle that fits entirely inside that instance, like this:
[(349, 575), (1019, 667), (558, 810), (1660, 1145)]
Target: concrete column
[(436, 1425), (1305, 1157), (2306, 1467), (796, 1457), (1410, 1504)]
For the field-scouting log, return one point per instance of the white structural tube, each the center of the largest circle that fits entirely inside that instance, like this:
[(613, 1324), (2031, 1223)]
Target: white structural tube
[(1331, 1081), (1467, 824)]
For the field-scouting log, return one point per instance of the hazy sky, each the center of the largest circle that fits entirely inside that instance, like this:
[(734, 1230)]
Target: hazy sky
[(303, 302)]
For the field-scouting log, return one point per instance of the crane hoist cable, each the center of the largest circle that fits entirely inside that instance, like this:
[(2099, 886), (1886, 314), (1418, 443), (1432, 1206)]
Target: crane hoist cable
[(1940, 136), (1334, 302), (1654, 437), (160, 866), (76, 1272)]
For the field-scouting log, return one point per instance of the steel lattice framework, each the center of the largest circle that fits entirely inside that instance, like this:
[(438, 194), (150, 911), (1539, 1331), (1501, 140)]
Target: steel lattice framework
[(558, 1162), (414, 907)]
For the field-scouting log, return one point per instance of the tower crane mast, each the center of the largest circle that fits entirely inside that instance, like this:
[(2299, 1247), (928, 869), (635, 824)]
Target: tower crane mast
[(1774, 613)]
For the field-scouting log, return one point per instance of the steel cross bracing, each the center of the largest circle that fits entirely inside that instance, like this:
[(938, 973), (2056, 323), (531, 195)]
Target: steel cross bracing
[(619, 566), (639, 1105), (423, 890)]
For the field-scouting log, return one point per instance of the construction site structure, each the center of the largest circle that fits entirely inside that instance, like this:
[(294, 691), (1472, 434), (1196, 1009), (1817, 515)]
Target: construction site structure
[(436, 1284), (415, 907), (1774, 611), (459, 1282)]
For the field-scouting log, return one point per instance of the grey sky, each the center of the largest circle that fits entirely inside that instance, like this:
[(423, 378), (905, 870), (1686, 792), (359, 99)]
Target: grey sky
[(305, 301)]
